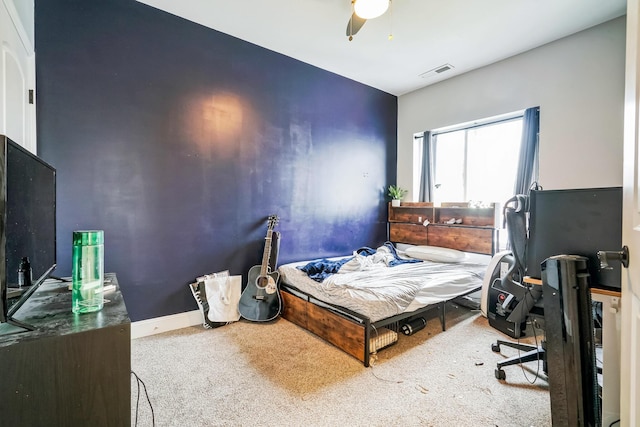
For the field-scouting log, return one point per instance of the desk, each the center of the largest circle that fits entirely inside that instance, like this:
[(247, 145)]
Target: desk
[(73, 369), (610, 349), (610, 353)]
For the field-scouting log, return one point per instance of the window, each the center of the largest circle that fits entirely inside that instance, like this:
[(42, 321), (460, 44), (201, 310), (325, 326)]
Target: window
[(478, 161)]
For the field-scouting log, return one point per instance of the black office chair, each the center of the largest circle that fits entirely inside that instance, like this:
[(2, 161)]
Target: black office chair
[(511, 302)]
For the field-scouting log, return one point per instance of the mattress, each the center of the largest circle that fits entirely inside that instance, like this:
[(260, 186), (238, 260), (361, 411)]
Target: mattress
[(383, 291)]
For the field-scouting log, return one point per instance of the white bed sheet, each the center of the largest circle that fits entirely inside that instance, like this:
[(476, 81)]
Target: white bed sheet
[(386, 291)]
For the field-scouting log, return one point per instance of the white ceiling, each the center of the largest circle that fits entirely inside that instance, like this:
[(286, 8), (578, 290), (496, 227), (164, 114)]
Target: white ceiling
[(467, 34)]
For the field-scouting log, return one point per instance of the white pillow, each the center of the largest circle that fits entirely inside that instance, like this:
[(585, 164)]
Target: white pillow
[(435, 253)]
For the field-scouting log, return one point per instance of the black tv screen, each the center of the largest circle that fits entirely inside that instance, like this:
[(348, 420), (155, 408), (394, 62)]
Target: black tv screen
[(29, 220), (576, 222)]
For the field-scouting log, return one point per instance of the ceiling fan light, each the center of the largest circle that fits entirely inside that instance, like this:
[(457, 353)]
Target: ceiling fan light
[(369, 9)]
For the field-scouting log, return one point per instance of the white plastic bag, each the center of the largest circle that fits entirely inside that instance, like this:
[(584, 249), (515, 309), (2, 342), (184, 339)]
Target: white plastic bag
[(223, 295)]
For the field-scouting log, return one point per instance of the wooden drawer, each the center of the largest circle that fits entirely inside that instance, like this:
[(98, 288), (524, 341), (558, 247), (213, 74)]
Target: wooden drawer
[(413, 234), (468, 239)]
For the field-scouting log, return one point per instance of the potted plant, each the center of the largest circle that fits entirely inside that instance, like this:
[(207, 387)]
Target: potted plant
[(396, 193)]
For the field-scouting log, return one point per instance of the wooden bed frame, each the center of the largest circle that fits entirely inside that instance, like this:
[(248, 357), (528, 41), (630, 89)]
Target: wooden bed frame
[(352, 332), (345, 329)]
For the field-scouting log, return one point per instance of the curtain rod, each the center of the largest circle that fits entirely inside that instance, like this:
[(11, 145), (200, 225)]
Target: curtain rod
[(477, 125)]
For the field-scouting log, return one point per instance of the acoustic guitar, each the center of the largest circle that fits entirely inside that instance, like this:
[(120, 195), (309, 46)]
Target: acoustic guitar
[(260, 301)]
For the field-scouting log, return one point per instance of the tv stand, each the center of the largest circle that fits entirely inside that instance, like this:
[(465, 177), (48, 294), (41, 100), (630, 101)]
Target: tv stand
[(72, 369)]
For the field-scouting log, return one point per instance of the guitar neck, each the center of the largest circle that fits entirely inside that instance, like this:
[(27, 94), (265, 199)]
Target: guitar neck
[(266, 254)]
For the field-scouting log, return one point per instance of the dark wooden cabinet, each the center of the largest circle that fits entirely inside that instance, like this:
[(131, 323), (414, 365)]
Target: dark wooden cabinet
[(74, 369)]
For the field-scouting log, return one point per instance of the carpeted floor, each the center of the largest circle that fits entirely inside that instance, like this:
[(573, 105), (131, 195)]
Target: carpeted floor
[(277, 374)]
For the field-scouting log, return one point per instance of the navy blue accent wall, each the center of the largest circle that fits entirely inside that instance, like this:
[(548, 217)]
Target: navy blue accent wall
[(179, 141)]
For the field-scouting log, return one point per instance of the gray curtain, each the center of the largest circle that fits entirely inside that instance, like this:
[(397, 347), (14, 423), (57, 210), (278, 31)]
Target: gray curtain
[(527, 163), (426, 180)]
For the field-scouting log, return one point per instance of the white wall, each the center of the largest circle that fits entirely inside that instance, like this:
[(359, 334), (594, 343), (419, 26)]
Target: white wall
[(17, 72), (578, 82)]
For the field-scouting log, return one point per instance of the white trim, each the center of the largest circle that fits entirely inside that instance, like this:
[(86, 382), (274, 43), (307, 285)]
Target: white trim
[(159, 325), (23, 138), (17, 23)]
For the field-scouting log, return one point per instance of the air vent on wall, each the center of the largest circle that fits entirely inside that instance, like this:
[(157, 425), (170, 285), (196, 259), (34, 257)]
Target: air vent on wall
[(436, 71)]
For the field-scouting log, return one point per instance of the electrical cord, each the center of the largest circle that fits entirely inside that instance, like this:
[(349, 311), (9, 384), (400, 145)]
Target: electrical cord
[(524, 372), (374, 359), (138, 382)]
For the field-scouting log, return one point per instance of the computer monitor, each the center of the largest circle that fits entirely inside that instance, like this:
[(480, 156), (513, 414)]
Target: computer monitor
[(576, 222)]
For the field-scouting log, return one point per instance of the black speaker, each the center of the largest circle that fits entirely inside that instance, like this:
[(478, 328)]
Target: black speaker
[(571, 360)]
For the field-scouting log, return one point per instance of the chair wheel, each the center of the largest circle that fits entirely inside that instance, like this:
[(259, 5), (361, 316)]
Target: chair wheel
[(495, 348), (500, 374)]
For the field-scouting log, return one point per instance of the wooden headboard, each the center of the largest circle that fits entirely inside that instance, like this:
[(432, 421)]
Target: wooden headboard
[(475, 231)]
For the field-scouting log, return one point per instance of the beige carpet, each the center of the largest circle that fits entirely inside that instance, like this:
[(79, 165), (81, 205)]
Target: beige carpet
[(277, 374)]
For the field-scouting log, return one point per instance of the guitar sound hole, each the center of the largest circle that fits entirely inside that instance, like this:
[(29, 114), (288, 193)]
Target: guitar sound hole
[(262, 282)]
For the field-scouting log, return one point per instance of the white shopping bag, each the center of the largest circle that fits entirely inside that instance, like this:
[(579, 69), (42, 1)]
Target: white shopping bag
[(223, 295)]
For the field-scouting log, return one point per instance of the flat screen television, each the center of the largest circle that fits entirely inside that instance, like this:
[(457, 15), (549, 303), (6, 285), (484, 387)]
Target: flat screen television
[(576, 222), (27, 223)]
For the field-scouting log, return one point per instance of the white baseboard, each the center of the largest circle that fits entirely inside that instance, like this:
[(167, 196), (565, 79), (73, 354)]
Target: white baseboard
[(159, 325)]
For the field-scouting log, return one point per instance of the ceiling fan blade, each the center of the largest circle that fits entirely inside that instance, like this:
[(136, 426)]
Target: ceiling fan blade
[(354, 25)]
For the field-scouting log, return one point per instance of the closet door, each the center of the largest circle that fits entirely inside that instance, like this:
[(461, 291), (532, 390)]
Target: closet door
[(17, 75)]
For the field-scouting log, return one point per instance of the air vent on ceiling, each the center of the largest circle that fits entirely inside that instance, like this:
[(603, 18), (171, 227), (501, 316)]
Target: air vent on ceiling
[(437, 71)]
